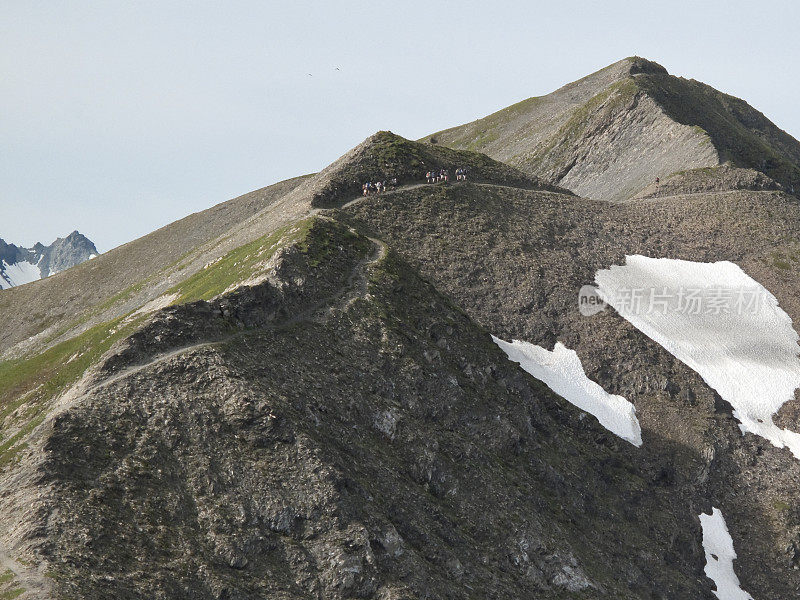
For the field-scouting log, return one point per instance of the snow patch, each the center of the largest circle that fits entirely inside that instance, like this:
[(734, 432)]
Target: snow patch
[(18, 274), (747, 353), (720, 555), (562, 371)]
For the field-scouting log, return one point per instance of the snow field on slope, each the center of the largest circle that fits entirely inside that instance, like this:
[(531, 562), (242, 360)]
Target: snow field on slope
[(720, 322), (562, 371), (718, 547), (18, 274)]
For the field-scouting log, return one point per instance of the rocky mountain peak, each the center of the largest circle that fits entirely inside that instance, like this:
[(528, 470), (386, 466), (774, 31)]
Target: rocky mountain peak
[(386, 156), (639, 65), (23, 265), (610, 134)]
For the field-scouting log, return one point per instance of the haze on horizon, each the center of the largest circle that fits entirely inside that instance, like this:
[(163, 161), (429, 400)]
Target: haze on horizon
[(120, 118)]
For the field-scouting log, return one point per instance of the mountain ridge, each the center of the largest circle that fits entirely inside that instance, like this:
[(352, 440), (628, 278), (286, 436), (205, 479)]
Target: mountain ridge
[(296, 393), (656, 123)]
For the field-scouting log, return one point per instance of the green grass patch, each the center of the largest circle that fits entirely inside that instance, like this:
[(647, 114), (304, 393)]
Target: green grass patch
[(781, 506), (6, 580), (237, 265), (328, 239), (781, 264), (55, 368), (32, 381), (781, 260)]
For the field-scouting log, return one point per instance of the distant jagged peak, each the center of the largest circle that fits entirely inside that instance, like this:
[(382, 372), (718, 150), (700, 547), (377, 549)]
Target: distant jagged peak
[(75, 239), (20, 265)]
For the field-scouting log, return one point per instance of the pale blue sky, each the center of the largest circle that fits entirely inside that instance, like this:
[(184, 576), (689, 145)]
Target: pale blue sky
[(119, 117)]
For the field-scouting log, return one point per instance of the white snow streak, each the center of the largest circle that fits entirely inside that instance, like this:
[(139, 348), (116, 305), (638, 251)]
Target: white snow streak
[(748, 356), (18, 274), (561, 370), (720, 555)]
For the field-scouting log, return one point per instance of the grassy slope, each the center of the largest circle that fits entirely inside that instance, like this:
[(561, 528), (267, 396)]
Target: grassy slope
[(29, 383), (583, 119), (520, 119), (107, 285)]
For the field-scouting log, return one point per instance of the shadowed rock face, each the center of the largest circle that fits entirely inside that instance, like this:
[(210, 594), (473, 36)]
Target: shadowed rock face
[(609, 135)]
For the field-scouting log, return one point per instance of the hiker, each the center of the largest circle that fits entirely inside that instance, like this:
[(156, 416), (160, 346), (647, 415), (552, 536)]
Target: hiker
[(428, 176), (365, 189), (459, 173), (658, 180), (463, 173), (378, 187)]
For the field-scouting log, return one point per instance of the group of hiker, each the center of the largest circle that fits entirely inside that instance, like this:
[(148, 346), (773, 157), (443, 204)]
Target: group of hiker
[(432, 176), (376, 187), (444, 175)]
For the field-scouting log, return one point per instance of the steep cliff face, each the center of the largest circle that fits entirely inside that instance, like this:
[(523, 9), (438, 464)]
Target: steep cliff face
[(611, 134)]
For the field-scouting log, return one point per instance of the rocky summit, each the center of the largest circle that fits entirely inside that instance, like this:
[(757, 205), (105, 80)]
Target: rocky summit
[(327, 389), (610, 134), (24, 265)]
